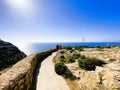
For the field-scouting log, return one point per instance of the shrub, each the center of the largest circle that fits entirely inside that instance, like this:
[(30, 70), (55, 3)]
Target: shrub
[(76, 56), (71, 59), (83, 57), (67, 47), (90, 63), (62, 59), (61, 69), (67, 60), (98, 46), (79, 48), (107, 46)]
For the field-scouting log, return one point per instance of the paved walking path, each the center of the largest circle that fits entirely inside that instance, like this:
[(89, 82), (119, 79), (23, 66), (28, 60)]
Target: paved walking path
[(48, 79)]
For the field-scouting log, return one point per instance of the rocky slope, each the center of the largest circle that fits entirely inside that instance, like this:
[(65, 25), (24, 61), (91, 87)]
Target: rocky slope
[(9, 54), (102, 78)]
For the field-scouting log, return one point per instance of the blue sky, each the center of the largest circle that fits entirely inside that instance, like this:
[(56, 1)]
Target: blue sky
[(59, 20)]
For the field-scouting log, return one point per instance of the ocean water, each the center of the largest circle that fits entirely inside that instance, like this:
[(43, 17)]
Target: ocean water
[(39, 47)]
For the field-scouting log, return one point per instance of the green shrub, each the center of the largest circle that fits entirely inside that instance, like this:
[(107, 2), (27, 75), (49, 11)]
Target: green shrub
[(67, 47), (62, 59), (79, 48), (76, 55), (69, 60), (107, 46), (61, 69), (83, 57), (68, 74), (98, 46), (90, 63)]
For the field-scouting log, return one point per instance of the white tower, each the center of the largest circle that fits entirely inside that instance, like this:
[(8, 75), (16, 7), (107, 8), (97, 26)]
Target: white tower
[(83, 39)]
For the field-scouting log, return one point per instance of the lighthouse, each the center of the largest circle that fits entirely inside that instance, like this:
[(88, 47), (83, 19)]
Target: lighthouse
[(83, 39)]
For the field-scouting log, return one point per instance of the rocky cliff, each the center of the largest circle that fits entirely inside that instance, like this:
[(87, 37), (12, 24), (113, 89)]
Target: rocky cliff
[(9, 54)]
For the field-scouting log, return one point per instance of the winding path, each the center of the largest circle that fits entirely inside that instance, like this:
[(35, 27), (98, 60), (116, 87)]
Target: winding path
[(47, 78)]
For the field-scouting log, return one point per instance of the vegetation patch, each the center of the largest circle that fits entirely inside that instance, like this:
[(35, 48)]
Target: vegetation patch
[(61, 69), (67, 47), (79, 48), (76, 56), (70, 59), (67, 60), (90, 63), (83, 57)]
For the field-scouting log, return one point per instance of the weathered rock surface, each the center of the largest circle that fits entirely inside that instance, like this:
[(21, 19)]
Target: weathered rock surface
[(9, 54), (108, 55), (21, 75), (102, 78)]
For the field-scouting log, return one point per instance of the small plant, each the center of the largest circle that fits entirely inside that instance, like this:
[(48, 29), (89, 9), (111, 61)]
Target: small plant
[(108, 47), (67, 47), (76, 55), (62, 59), (90, 63), (71, 59), (83, 57), (98, 46), (61, 69), (72, 50), (80, 48)]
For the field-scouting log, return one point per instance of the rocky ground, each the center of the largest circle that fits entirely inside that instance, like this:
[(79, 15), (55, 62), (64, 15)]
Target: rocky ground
[(102, 78)]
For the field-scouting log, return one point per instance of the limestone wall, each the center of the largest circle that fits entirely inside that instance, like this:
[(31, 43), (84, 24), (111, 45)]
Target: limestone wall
[(20, 76)]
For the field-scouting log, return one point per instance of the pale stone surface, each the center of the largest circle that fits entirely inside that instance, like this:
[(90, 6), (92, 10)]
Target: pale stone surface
[(107, 55), (48, 79), (20, 76), (103, 78)]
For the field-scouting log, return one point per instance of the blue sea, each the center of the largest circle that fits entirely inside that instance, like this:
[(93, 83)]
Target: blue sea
[(39, 47)]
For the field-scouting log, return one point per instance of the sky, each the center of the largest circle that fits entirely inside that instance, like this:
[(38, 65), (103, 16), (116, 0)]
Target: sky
[(28, 21)]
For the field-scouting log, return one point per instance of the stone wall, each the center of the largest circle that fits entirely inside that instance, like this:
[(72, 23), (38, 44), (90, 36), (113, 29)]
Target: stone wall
[(20, 76)]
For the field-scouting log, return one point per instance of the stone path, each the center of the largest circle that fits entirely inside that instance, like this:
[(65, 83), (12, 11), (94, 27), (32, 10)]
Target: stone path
[(48, 79)]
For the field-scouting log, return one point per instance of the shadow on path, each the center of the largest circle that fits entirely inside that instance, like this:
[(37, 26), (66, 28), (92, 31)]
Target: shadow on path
[(36, 72)]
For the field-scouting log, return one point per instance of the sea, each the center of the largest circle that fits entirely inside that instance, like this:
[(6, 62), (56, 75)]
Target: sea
[(40, 47)]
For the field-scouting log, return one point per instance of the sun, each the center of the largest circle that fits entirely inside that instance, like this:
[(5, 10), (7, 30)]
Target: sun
[(21, 8)]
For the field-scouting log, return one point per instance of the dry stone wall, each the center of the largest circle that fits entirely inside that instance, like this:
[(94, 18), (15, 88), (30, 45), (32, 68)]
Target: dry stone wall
[(20, 76)]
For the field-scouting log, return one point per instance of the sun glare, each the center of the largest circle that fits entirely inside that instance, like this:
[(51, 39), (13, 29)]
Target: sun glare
[(21, 8)]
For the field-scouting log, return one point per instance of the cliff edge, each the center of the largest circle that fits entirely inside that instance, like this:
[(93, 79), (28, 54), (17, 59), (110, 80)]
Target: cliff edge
[(9, 54)]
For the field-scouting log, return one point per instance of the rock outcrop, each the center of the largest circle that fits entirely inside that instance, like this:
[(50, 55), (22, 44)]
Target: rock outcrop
[(106, 77), (9, 54)]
